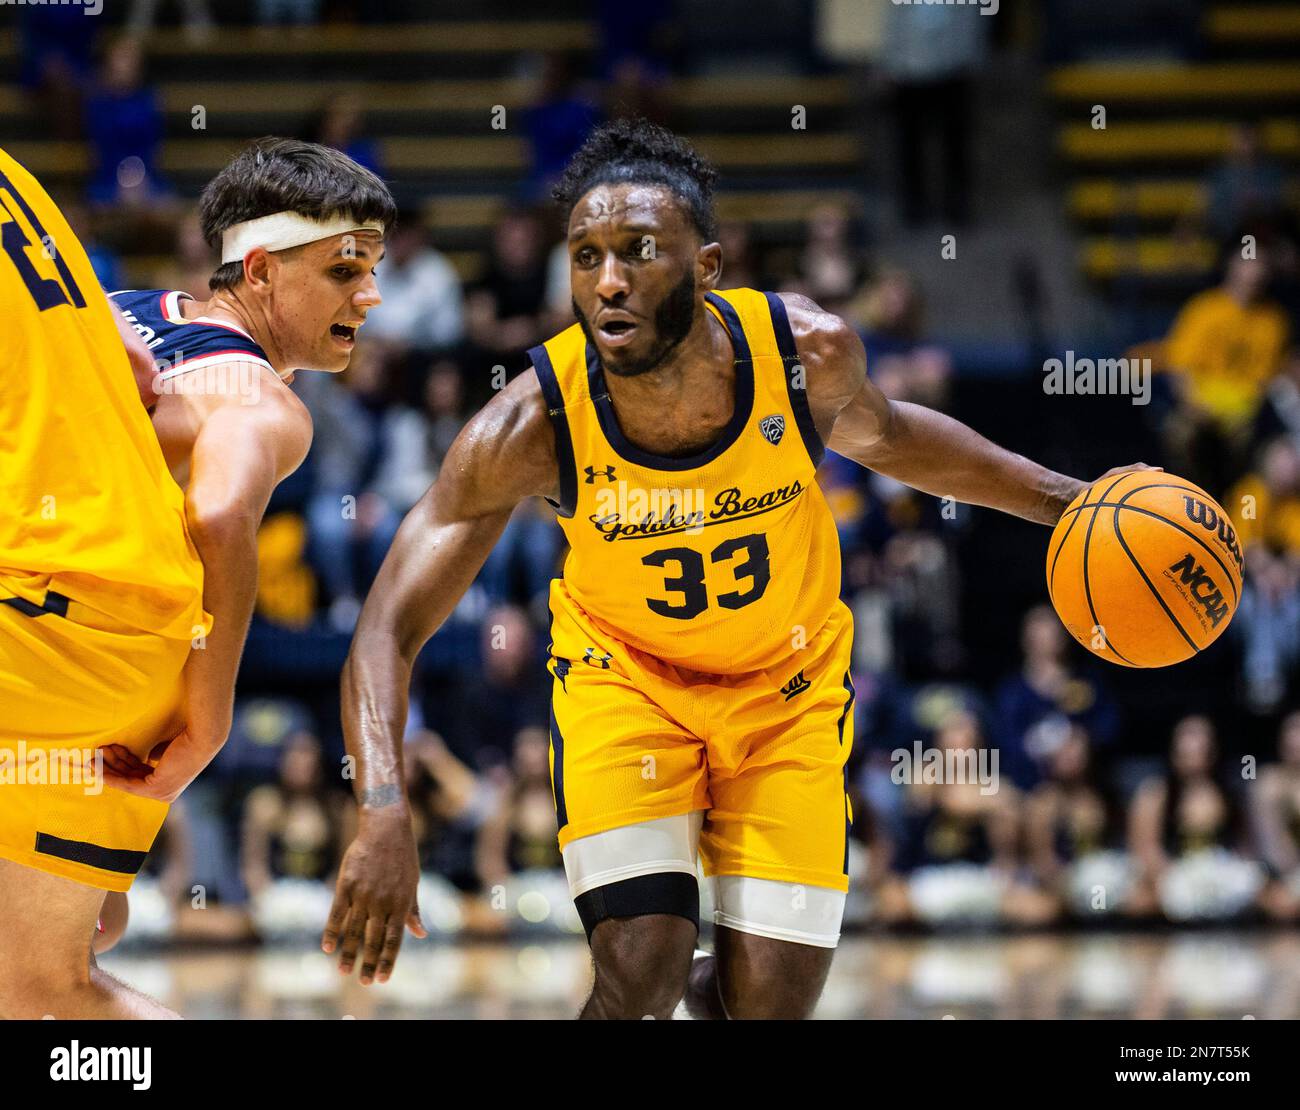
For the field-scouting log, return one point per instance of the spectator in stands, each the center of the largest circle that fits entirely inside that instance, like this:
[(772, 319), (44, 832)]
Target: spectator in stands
[(340, 123), (486, 707), (56, 45), (1246, 188), (506, 311), (1222, 353), (1267, 625), (557, 123), (739, 265), (1040, 706), (1074, 832), (444, 410), (350, 524), (1279, 415), (1185, 833), (1275, 821), (957, 860), (124, 123), (520, 834), (891, 314), (1265, 509), (423, 305), (930, 53), (449, 804), (1265, 504), (292, 837), (190, 263), (293, 828), (831, 265), (104, 260)]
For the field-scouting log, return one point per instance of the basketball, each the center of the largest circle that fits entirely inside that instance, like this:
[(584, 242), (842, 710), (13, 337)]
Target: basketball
[(1144, 569)]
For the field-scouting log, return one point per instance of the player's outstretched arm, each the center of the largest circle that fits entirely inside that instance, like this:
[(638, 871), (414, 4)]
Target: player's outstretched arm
[(241, 452), (503, 455), (913, 444)]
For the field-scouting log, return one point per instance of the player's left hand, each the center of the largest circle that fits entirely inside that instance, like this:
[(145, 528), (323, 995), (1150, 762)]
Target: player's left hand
[(1125, 469)]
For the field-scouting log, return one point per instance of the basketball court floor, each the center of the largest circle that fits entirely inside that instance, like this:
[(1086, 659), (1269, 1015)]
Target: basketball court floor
[(1219, 974)]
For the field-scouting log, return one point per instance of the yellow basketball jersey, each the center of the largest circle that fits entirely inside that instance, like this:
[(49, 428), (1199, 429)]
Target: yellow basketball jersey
[(87, 506), (724, 562)]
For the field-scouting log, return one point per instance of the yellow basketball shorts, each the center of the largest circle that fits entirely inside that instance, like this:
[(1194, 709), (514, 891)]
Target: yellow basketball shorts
[(634, 739), (73, 680)]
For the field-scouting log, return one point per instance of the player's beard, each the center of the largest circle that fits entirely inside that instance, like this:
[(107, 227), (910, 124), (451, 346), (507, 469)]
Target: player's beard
[(672, 323)]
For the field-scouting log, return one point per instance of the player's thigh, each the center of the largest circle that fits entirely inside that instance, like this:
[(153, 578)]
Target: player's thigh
[(619, 753)]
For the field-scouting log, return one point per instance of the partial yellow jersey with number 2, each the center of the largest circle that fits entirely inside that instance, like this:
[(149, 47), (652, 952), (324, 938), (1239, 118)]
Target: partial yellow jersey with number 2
[(87, 507)]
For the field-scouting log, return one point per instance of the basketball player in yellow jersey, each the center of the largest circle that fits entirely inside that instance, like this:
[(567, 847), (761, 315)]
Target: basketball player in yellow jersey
[(701, 700), (101, 592), (300, 228)]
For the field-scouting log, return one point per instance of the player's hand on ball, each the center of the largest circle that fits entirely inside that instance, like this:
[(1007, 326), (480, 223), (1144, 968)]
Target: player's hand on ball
[(375, 897), (1125, 469)]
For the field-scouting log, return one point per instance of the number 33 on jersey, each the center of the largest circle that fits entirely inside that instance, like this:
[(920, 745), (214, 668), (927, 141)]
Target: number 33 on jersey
[(719, 562)]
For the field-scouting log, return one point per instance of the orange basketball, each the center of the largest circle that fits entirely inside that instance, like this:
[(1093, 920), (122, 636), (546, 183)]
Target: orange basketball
[(1144, 569)]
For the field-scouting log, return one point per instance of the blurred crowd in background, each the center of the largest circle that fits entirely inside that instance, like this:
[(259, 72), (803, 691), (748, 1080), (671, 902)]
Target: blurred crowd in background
[(1163, 796)]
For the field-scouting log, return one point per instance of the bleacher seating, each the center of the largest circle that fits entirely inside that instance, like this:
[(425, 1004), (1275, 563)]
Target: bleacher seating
[(1139, 185), (428, 91)]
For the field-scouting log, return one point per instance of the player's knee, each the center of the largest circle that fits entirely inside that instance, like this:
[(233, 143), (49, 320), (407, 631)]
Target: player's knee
[(642, 964)]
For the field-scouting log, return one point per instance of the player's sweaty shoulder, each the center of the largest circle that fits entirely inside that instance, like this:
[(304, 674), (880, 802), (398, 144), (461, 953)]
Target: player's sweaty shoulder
[(506, 453), (831, 353), (263, 405)]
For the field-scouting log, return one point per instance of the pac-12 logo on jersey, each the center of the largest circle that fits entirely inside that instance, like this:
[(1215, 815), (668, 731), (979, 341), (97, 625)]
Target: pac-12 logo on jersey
[(773, 428)]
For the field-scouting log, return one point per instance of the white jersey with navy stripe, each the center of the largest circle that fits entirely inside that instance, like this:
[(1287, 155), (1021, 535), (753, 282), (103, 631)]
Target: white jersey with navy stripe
[(180, 346)]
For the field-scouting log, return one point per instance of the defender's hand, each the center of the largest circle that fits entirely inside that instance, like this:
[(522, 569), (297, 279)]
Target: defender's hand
[(375, 897)]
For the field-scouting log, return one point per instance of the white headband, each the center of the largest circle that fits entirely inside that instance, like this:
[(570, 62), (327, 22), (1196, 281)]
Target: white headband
[(282, 230)]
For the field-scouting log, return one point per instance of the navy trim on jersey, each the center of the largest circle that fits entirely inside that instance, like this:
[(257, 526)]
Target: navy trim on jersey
[(557, 774), (120, 861), (554, 397), (744, 405), (798, 396), (848, 824), (177, 344), (54, 603)]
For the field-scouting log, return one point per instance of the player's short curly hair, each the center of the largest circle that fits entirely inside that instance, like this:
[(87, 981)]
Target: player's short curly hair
[(637, 151), (288, 175)]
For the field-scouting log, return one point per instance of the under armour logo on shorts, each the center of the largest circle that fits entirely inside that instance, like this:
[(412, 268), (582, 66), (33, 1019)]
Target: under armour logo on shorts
[(601, 661)]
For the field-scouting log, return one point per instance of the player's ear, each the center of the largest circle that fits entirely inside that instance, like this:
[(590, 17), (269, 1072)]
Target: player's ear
[(257, 268), (708, 265)]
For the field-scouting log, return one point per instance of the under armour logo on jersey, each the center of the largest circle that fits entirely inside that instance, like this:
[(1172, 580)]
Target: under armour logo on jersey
[(601, 661), (795, 686), (608, 472), (772, 427)]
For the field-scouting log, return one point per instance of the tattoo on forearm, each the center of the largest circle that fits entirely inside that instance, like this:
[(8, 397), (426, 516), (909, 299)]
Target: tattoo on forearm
[(377, 797)]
